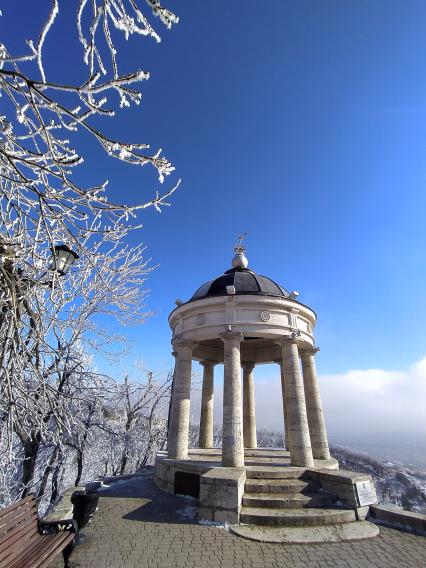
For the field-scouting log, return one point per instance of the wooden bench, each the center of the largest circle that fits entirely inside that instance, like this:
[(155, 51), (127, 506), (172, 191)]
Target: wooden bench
[(26, 542)]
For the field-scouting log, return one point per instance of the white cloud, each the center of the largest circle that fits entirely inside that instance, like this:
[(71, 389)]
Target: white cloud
[(375, 401)]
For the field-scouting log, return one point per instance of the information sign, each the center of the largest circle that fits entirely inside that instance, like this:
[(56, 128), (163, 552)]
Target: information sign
[(366, 493)]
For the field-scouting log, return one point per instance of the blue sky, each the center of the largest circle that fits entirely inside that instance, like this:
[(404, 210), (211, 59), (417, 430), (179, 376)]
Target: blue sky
[(302, 123)]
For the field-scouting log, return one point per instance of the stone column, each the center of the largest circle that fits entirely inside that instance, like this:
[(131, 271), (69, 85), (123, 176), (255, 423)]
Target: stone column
[(179, 418), (298, 430), (232, 432), (206, 416), (316, 422), (171, 399), (249, 412), (283, 393)]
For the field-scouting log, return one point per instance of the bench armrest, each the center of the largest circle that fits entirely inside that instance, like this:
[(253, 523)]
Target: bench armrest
[(49, 527)]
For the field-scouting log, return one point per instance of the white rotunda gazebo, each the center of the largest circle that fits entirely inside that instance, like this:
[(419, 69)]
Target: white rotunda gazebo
[(242, 319)]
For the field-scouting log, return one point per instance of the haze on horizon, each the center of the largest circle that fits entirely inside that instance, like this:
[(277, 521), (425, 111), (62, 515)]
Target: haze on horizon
[(377, 411)]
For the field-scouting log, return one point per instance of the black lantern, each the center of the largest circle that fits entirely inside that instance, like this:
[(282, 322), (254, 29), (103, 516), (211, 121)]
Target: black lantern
[(62, 259)]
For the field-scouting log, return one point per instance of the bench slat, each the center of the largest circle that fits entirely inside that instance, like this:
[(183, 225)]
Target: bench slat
[(17, 505), (16, 550), (15, 517), (28, 554), (14, 535), (21, 543), (43, 551), (12, 554), (12, 523), (56, 552)]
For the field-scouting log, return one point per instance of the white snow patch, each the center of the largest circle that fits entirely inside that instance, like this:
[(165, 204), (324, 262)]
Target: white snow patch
[(188, 497), (207, 523), (105, 486)]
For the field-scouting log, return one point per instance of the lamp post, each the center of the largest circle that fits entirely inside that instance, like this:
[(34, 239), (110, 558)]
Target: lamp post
[(62, 258)]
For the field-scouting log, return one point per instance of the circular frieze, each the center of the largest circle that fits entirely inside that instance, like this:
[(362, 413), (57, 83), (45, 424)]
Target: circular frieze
[(265, 316), (200, 319)]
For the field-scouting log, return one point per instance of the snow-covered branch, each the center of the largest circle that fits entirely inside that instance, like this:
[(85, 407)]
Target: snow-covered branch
[(51, 325)]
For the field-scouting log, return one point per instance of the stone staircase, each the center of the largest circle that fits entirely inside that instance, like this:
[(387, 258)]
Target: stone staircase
[(286, 498)]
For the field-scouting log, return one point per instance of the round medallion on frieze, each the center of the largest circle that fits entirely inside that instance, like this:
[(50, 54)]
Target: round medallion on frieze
[(201, 319), (265, 316)]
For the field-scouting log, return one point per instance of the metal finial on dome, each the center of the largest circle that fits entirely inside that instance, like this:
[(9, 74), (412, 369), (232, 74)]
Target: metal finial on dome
[(240, 260)]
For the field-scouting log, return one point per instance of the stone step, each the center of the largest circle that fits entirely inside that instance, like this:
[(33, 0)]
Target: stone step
[(286, 486), (339, 532), (273, 460), (293, 501), (274, 472), (266, 452), (295, 517)]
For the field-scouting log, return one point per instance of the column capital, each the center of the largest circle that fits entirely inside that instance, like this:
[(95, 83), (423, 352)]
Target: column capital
[(249, 366), (311, 350), (293, 337), (182, 344), (208, 363), (234, 336)]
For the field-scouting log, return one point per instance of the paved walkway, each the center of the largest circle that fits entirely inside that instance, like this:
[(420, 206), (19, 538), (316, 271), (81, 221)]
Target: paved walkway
[(139, 526)]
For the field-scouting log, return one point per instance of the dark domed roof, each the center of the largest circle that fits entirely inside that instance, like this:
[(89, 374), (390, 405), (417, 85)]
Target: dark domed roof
[(240, 281)]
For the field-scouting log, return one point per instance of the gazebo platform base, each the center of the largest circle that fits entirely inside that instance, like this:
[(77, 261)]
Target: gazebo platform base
[(188, 476), (259, 462), (269, 491)]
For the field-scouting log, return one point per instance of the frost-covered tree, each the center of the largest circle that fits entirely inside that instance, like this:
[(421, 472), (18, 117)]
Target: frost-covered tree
[(49, 324), (141, 405)]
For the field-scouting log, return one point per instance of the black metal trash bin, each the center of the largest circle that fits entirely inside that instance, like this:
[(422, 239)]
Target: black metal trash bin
[(85, 503)]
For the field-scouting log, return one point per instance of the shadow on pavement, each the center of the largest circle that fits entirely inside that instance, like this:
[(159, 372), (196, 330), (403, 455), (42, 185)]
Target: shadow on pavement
[(159, 506)]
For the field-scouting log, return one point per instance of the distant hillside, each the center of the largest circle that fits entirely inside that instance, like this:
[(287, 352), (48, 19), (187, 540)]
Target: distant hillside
[(395, 483)]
